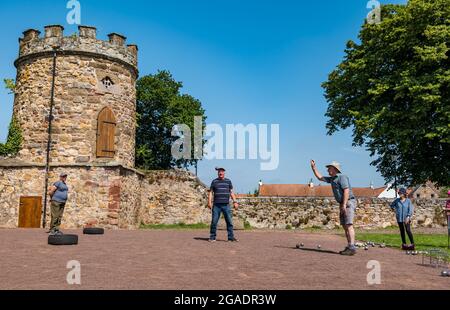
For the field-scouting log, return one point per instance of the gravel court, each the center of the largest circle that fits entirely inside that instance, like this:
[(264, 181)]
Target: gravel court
[(184, 260)]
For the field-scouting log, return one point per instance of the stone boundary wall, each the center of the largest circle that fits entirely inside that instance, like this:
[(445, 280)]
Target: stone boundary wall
[(173, 197), (301, 213), (115, 197), (103, 196)]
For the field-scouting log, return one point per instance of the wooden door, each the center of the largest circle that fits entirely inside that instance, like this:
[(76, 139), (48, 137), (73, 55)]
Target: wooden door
[(30, 212), (106, 131)]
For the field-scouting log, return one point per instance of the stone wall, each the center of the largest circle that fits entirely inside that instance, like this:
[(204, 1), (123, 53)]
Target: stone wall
[(107, 196), (104, 196), (13, 184), (115, 197), (173, 197), (131, 193), (300, 213)]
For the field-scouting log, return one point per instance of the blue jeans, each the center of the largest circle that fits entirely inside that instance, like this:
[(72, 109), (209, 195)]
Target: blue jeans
[(227, 213)]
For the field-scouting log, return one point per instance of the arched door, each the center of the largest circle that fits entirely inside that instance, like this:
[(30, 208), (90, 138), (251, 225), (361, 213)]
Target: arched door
[(106, 131)]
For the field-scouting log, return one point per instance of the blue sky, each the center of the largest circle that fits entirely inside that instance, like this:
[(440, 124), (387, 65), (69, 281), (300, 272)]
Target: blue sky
[(248, 61)]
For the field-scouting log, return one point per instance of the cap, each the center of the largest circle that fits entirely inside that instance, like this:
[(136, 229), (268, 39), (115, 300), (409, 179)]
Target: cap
[(63, 174), (402, 191), (220, 169)]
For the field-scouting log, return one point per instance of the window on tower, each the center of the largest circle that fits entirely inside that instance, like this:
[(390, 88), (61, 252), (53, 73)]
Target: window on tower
[(107, 82)]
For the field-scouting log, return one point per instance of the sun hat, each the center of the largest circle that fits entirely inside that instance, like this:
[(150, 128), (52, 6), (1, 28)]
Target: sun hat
[(336, 165)]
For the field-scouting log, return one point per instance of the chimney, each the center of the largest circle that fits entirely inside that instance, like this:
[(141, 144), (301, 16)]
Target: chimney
[(311, 183), (87, 32), (371, 186), (117, 39)]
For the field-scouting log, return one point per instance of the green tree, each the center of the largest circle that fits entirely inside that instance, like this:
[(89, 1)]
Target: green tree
[(161, 106), (14, 139), (444, 191), (10, 84), (393, 89)]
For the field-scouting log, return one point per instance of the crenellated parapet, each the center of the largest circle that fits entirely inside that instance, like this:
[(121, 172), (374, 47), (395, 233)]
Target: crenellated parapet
[(85, 42)]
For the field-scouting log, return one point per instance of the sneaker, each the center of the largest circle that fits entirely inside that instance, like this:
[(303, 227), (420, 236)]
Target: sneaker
[(405, 247), (412, 247), (346, 248), (56, 233), (212, 240), (233, 240), (348, 252)]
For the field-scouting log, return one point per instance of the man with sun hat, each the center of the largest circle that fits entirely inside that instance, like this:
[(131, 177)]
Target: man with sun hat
[(343, 193)]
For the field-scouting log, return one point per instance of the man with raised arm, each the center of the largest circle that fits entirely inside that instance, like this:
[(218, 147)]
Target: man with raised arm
[(343, 193)]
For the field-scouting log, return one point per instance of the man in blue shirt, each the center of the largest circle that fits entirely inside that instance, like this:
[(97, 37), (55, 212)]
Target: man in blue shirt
[(58, 194), (343, 194), (221, 190)]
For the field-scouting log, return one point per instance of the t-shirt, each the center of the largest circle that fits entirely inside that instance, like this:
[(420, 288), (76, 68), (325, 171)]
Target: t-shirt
[(61, 192), (222, 190), (338, 184)]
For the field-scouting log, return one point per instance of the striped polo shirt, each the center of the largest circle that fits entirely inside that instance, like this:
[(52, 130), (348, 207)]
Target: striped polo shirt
[(222, 190)]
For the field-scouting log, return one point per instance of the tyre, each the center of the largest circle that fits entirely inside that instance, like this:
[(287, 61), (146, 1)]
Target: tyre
[(63, 240), (93, 231)]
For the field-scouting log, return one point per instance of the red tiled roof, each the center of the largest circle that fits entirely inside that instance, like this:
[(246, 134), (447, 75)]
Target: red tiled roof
[(244, 195), (304, 190)]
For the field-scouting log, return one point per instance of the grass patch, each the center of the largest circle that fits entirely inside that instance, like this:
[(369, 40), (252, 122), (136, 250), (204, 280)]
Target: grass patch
[(423, 241), (176, 226), (247, 226)]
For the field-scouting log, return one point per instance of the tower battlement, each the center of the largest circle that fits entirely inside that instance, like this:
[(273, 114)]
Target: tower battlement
[(83, 42)]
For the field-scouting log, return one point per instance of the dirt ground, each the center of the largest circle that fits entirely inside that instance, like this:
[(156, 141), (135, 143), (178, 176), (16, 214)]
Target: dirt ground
[(182, 260)]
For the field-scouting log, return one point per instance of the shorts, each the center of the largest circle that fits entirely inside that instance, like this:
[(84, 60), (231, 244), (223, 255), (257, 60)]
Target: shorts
[(347, 219)]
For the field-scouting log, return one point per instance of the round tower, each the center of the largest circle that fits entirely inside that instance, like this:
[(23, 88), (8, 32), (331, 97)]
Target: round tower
[(94, 97)]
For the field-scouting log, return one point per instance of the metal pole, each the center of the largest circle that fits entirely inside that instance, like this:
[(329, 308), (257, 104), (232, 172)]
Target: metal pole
[(49, 140)]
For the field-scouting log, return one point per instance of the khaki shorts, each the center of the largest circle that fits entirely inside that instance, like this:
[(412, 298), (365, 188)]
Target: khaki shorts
[(347, 219)]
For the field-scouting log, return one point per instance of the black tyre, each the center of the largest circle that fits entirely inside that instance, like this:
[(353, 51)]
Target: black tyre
[(63, 240), (93, 231)]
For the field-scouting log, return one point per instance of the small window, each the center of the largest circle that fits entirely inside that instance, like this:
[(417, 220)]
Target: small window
[(418, 196), (107, 82), (432, 196)]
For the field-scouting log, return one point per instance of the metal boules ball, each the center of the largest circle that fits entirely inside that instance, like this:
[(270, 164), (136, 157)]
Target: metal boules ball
[(366, 248), (302, 245), (298, 246), (445, 273), (319, 246)]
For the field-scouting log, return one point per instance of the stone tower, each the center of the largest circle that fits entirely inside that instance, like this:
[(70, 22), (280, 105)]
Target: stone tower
[(90, 85), (94, 97)]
